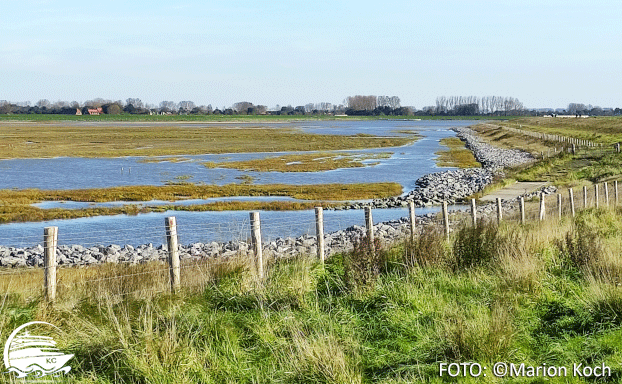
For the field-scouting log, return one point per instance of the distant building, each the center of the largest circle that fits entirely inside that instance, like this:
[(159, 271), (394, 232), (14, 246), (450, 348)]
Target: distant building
[(95, 111), (78, 112)]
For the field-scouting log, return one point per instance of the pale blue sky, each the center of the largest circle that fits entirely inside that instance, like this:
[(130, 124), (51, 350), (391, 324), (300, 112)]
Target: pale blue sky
[(295, 52)]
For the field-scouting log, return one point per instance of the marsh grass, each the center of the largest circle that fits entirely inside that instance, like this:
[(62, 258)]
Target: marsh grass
[(456, 156), (44, 140), (308, 162), (15, 205), (520, 298)]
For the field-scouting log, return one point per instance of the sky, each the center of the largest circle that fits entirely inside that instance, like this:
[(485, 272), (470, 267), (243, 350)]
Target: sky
[(545, 53)]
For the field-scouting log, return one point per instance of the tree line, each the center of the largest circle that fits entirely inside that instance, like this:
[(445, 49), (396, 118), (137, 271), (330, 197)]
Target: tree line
[(358, 105)]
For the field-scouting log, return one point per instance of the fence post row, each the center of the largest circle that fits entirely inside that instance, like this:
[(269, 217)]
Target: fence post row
[(319, 232), (256, 242), (606, 193), (50, 240), (173, 253)]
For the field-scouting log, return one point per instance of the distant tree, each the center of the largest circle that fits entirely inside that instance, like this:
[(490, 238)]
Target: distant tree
[(135, 103), (43, 103), (185, 106), (112, 108), (167, 106), (242, 107), (361, 103)]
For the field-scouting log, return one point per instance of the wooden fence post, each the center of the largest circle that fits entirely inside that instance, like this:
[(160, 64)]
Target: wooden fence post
[(574, 149), (571, 196), (615, 191), (606, 187), (50, 240), (584, 197), (369, 225), (521, 206), (559, 206), (319, 232), (256, 240), (596, 195), (542, 207), (173, 252), (413, 218), (445, 219), (473, 213), (499, 211)]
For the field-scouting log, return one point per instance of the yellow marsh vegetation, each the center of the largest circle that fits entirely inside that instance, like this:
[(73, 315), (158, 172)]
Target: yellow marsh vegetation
[(456, 155), (40, 140), (307, 162)]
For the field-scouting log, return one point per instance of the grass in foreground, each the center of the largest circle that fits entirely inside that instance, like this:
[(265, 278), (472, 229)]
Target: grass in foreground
[(41, 140), (457, 155), (16, 205), (546, 293), (308, 162)]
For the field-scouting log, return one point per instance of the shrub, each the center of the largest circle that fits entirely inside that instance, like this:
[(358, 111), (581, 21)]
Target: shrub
[(581, 245), (475, 246)]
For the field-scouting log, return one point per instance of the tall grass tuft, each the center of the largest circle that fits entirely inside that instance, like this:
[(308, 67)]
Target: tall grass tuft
[(428, 249), (475, 246), (363, 265)]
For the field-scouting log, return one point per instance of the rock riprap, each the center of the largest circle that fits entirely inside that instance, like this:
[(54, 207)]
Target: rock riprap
[(452, 186)]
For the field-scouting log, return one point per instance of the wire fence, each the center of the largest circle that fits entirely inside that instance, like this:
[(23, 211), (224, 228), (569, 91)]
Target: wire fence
[(147, 269)]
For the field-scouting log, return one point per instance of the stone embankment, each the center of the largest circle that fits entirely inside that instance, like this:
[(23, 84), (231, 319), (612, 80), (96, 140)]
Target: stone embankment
[(455, 185)]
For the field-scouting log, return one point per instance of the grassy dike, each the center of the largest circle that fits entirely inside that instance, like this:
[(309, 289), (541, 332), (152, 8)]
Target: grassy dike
[(546, 293)]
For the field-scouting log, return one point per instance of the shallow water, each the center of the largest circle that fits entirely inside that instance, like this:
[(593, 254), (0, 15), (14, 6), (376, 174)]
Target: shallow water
[(406, 165), (192, 227)]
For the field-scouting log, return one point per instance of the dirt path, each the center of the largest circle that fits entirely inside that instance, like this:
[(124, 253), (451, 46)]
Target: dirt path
[(514, 190)]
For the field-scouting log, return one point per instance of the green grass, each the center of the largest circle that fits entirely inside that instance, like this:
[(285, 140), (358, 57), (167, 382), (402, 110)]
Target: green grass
[(509, 293), (605, 130), (456, 156)]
